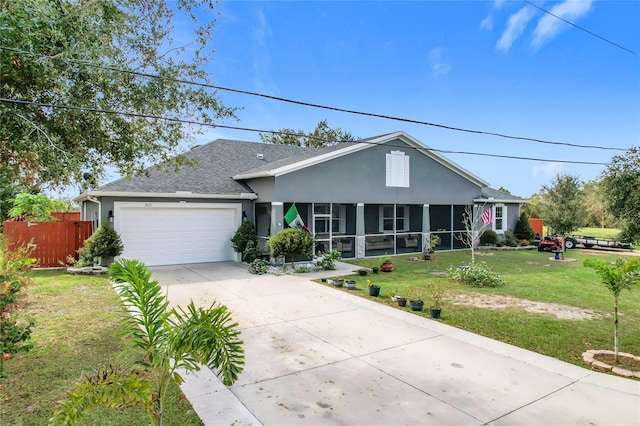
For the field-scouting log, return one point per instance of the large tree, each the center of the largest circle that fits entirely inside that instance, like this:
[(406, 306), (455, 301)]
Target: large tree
[(595, 205), (621, 181), (562, 208), (322, 135), (70, 53)]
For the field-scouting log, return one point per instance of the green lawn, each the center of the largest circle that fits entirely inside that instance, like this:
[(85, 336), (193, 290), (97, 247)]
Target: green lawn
[(76, 325), (529, 275)]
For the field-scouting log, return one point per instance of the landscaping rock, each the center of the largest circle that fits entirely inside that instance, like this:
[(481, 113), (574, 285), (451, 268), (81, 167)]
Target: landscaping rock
[(88, 270)]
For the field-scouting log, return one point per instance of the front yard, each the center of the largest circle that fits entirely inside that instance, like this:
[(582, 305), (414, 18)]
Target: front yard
[(559, 309), (76, 333)]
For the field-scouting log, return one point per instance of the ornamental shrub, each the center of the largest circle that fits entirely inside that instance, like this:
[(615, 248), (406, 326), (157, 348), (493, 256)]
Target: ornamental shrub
[(105, 242), (14, 332), (246, 232), (510, 240), (250, 252), (523, 230), (327, 260), (258, 266), (488, 237), (292, 242), (476, 274)]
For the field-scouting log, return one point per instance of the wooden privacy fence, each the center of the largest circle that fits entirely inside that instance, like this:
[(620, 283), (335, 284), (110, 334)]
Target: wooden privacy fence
[(537, 226), (52, 242)]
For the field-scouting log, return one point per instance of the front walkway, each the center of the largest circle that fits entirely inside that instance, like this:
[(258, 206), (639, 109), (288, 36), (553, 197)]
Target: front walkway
[(319, 356)]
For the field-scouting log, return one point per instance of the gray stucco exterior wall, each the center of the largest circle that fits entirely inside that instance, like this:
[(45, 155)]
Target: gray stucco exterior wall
[(361, 177)]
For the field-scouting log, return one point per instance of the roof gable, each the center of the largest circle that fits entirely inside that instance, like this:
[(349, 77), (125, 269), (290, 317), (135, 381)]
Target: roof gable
[(321, 155)]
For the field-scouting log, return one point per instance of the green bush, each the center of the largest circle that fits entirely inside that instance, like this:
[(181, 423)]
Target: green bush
[(14, 332), (250, 252), (292, 242), (258, 266), (105, 242), (510, 240), (476, 274), (327, 260), (245, 233), (488, 237), (523, 230)]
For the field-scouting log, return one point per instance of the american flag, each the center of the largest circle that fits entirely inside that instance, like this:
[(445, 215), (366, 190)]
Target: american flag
[(486, 217)]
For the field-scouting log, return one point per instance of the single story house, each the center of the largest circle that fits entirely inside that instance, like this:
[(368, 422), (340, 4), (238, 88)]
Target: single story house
[(379, 196)]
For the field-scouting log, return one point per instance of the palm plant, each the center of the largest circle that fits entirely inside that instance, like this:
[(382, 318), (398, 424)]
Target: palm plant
[(617, 276), (172, 340)]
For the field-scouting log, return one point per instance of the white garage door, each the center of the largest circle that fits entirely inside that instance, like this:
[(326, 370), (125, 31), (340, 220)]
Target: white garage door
[(177, 233)]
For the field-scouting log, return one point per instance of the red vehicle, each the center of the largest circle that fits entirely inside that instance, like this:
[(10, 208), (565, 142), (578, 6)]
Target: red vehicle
[(550, 243)]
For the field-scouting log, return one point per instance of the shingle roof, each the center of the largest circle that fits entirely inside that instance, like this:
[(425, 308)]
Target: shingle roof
[(305, 155), (217, 162), (487, 194)]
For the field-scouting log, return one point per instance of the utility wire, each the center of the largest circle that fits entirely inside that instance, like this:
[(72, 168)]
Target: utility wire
[(184, 121), (312, 105), (580, 28)]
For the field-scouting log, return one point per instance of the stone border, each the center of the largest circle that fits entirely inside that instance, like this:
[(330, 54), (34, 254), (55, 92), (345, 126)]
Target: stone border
[(88, 270), (588, 357)]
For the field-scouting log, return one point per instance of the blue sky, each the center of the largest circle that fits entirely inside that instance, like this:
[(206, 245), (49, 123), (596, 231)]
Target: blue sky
[(502, 66)]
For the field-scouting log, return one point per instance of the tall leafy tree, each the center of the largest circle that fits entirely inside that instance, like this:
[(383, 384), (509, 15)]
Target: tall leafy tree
[(321, 136), (49, 50), (562, 204), (595, 205), (534, 207), (621, 181)]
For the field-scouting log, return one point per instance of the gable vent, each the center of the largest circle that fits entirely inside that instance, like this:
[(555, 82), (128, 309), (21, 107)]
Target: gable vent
[(260, 156)]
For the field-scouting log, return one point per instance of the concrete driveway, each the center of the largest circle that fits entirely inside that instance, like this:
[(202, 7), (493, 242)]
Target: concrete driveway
[(319, 356)]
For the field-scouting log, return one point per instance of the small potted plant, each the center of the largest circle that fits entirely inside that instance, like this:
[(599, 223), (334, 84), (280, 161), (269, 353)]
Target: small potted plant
[(363, 272), (434, 240), (416, 303), (437, 293), (387, 265), (375, 269), (338, 282), (350, 284), (374, 290)]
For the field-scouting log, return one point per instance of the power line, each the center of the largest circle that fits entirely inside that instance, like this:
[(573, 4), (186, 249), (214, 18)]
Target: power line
[(319, 106), (184, 121), (580, 28)]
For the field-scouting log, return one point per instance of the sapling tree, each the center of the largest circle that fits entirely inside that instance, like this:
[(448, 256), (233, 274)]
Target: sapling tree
[(292, 242), (620, 275), (474, 226)]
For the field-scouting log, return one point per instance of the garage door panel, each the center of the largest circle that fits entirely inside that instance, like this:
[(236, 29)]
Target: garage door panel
[(174, 235)]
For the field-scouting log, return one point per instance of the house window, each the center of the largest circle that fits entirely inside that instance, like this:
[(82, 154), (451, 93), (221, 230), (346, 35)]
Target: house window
[(329, 218), (499, 218), (321, 218), (386, 218), (338, 218), (402, 218), (397, 169)]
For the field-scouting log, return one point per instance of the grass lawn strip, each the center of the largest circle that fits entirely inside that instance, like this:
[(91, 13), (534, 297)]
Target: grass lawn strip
[(77, 322), (565, 289)]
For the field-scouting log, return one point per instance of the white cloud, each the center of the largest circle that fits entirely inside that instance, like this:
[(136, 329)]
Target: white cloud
[(549, 26), (438, 65), (497, 4), (515, 27), (487, 23), (547, 171)]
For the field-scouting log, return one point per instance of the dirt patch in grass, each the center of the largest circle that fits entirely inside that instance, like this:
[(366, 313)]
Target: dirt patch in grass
[(506, 302)]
